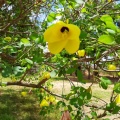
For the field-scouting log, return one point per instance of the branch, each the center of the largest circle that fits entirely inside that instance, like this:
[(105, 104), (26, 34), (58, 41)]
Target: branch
[(17, 32), (83, 5), (117, 47), (102, 115), (86, 59), (2, 2), (52, 93), (106, 4), (39, 85), (14, 21), (20, 83)]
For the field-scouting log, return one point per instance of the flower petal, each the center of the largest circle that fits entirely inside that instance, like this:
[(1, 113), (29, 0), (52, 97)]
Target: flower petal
[(57, 47), (44, 103), (117, 99), (53, 33), (72, 45), (74, 31)]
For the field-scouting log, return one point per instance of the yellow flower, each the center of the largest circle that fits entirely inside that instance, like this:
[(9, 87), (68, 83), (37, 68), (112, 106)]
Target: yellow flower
[(109, 0), (74, 58), (117, 100), (52, 99), (111, 67), (23, 94), (47, 98), (46, 75), (62, 35), (44, 103), (81, 53)]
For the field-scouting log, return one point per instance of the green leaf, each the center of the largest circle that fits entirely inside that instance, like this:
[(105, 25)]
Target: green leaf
[(51, 17), (80, 76), (87, 118), (111, 31), (105, 82), (61, 103), (80, 101), (98, 53), (69, 108), (62, 2), (25, 41), (18, 70), (116, 109), (117, 88), (37, 56), (83, 34), (111, 25), (29, 61), (35, 37), (84, 10), (94, 114), (118, 39), (71, 70), (73, 101), (7, 71), (88, 95), (106, 39), (106, 18)]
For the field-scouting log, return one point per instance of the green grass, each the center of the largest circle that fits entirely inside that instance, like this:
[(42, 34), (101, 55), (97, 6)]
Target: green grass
[(15, 107)]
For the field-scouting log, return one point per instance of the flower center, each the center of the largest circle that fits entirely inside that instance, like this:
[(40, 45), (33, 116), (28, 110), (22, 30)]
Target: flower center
[(63, 29)]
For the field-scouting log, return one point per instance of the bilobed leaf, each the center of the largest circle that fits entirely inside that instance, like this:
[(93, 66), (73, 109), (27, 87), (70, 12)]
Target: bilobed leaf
[(106, 39), (106, 18)]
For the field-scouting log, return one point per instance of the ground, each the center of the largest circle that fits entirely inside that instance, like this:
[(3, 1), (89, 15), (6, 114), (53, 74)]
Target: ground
[(15, 107)]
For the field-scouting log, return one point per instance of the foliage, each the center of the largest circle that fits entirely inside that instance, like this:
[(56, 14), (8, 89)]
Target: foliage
[(25, 57)]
